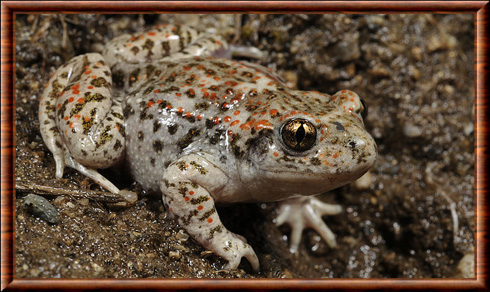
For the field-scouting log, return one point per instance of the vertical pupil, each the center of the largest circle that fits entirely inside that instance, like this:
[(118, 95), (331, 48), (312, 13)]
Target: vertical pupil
[(300, 134)]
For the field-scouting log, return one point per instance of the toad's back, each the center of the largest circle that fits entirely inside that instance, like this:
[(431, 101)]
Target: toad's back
[(196, 104)]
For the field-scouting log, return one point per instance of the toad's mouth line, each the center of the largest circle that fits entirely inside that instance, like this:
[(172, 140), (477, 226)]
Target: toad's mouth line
[(301, 174)]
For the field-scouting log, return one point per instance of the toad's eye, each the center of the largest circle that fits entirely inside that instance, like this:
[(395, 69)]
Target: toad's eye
[(298, 134), (364, 109)]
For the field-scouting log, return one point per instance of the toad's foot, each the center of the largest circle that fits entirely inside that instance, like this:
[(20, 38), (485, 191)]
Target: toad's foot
[(304, 212)]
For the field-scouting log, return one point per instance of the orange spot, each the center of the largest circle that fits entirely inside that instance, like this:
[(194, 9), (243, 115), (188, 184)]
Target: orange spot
[(81, 100), (94, 76), (217, 78), (263, 124), (200, 207), (178, 94), (216, 120), (151, 33), (150, 103), (187, 68), (236, 113), (186, 199), (77, 117), (234, 123), (263, 113), (71, 99), (275, 154), (88, 72), (227, 119), (71, 125), (206, 94), (157, 91), (188, 115), (247, 125), (191, 193), (218, 43), (273, 112), (90, 87), (210, 220), (118, 128), (336, 155), (98, 64), (351, 109), (344, 91), (199, 117), (293, 112), (159, 101), (317, 120), (86, 119), (58, 106), (75, 91), (230, 132), (66, 118), (180, 110), (171, 210)]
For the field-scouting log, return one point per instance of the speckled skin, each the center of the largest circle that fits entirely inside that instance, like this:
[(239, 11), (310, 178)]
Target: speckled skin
[(203, 130)]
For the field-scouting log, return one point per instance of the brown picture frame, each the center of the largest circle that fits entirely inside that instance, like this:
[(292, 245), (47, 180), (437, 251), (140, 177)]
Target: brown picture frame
[(478, 8)]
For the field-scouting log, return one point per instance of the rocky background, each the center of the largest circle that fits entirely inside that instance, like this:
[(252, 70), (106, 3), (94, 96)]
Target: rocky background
[(411, 216)]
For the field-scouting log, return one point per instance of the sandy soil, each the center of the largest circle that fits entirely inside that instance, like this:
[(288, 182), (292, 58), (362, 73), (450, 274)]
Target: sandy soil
[(415, 73)]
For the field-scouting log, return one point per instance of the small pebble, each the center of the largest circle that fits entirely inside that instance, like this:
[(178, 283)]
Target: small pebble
[(466, 266), (42, 208), (182, 236), (83, 202), (174, 255), (364, 181)]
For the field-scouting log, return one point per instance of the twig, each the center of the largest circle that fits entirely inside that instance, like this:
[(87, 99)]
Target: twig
[(99, 196)]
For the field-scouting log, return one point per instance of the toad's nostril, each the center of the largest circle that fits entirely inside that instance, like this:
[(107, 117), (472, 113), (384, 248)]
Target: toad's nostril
[(352, 144)]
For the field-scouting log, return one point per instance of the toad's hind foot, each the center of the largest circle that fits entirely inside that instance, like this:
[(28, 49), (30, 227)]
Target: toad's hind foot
[(307, 212)]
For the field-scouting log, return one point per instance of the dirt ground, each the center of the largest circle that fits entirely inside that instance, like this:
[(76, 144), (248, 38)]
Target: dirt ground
[(411, 217)]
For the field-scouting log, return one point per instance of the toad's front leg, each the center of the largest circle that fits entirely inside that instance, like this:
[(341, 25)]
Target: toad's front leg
[(187, 188)]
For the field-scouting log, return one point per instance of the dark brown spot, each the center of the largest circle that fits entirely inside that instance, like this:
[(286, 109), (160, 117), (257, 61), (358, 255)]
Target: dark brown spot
[(100, 82), (135, 50), (157, 146), (187, 139), (156, 126), (172, 128)]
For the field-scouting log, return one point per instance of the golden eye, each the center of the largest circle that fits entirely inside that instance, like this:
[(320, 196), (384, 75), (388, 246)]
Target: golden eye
[(298, 134)]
